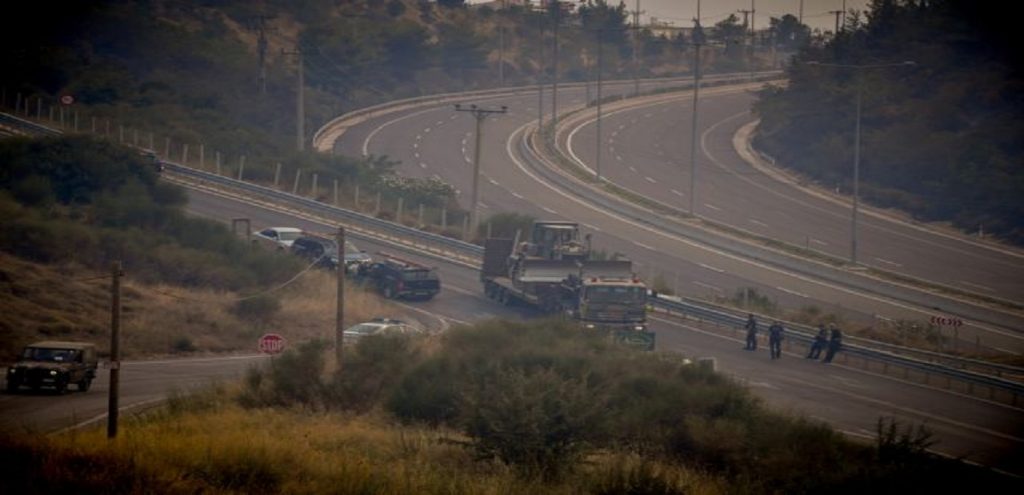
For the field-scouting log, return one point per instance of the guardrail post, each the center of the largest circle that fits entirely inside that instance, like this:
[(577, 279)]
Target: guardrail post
[(465, 228), (313, 186), (241, 167), (398, 213), (217, 163), (419, 221), (295, 186), (202, 156), (277, 174), (184, 154), (336, 192)]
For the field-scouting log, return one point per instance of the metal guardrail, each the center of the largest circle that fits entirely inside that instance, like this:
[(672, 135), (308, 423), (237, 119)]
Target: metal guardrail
[(447, 246)]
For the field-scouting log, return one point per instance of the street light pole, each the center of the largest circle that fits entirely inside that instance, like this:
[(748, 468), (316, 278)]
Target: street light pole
[(698, 35), (860, 68), (480, 114)]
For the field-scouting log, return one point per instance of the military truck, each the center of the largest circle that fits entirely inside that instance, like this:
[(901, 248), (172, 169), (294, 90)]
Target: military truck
[(54, 364), (554, 273)]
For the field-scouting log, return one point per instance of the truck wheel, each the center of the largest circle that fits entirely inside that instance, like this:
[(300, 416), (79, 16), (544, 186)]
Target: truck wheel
[(83, 386)]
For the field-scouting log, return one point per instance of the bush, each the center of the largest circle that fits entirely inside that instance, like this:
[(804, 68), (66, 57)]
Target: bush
[(257, 308)]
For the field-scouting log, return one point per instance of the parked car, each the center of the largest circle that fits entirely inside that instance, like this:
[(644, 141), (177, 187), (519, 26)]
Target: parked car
[(54, 364), (395, 278), (319, 247), (279, 238), (379, 326)]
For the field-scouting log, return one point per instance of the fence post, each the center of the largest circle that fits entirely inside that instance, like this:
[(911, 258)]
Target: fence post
[(398, 214), (217, 162), (313, 187), (241, 166), (336, 192), (277, 174), (184, 154), (295, 185)]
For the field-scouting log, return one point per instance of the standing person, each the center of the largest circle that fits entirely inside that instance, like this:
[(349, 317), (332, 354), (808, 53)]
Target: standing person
[(775, 339), (834, 343), (751, 327), (820, 341)]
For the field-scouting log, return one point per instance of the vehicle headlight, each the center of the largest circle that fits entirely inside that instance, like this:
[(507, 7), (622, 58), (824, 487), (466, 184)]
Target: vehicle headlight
[(12, 370), (53, 372), (639, 328), (589, 326)]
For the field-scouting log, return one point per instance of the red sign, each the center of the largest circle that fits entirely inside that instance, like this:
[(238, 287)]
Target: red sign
[(67, 99), (271, 343), (947, 321)]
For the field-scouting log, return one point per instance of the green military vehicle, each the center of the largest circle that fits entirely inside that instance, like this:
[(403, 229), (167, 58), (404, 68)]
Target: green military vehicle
[(54, 364)]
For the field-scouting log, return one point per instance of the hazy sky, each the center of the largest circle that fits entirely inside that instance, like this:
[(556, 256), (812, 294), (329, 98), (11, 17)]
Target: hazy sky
[(682, 12)]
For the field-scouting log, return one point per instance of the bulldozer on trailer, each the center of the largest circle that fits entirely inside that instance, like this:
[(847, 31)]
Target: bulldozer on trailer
[(554, 273)]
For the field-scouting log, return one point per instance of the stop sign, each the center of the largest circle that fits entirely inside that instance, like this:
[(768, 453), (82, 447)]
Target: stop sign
[(271, 343)]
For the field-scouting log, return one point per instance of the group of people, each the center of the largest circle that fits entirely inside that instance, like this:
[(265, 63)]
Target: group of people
[(829, 340)]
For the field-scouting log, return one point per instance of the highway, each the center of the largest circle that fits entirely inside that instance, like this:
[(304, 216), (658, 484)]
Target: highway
[(437, 141)]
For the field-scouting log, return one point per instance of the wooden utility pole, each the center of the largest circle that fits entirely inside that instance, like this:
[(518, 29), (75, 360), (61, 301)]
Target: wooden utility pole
[(300, 117), (115, 348), (339, 317), (480, 114)]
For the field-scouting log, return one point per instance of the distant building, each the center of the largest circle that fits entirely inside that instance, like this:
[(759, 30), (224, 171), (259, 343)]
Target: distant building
[(667, 29)]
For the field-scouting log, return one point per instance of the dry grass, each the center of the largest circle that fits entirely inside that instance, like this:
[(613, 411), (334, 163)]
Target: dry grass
[(69, 302), (231, 450)]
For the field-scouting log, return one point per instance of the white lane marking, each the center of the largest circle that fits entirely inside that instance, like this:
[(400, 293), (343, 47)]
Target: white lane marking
[(790, 291), (887, 262), (1007, 351), (850, 382), (464, 143), (982, 287), (439, 122), (415, 145), (484, 205), (649, 179), (816, 241), (712, 268), (677, 193), (632, 168), (416, 154), (509, 151), (436, 177), (762, 385), (758, 222), (426, 130), (549, 210), (645, 246), (619, 158), (713, 207), (492, 181), (592, 227), (517, 195), (423, 165), (464, 157), (708, 286), (649, 114)]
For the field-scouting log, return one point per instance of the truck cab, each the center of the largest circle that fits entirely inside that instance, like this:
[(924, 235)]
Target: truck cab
[(55, 364)]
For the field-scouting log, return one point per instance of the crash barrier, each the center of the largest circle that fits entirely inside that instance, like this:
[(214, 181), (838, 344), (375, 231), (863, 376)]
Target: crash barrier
[(878, 357)]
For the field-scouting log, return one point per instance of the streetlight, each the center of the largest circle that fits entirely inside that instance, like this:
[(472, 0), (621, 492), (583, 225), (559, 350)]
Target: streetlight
[(480, 114), (856, 140)]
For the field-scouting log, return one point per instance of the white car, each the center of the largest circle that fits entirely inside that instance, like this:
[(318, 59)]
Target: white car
[(279, 238), (379, 326)]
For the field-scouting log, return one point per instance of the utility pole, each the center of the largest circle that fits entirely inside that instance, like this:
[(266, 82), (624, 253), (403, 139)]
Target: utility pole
[(600, 66), (501, 48), (261, 50), (698, 41), (554, 65), (636, 48), (540, 77), (837, 14), (801, 17), (115, 348), (339, 317), (480, 114), (300, 125), (747, 23)]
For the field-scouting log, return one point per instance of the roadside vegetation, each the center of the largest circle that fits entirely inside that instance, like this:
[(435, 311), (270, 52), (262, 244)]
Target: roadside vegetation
[(498, 407), (941, 139), (70, 206)]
